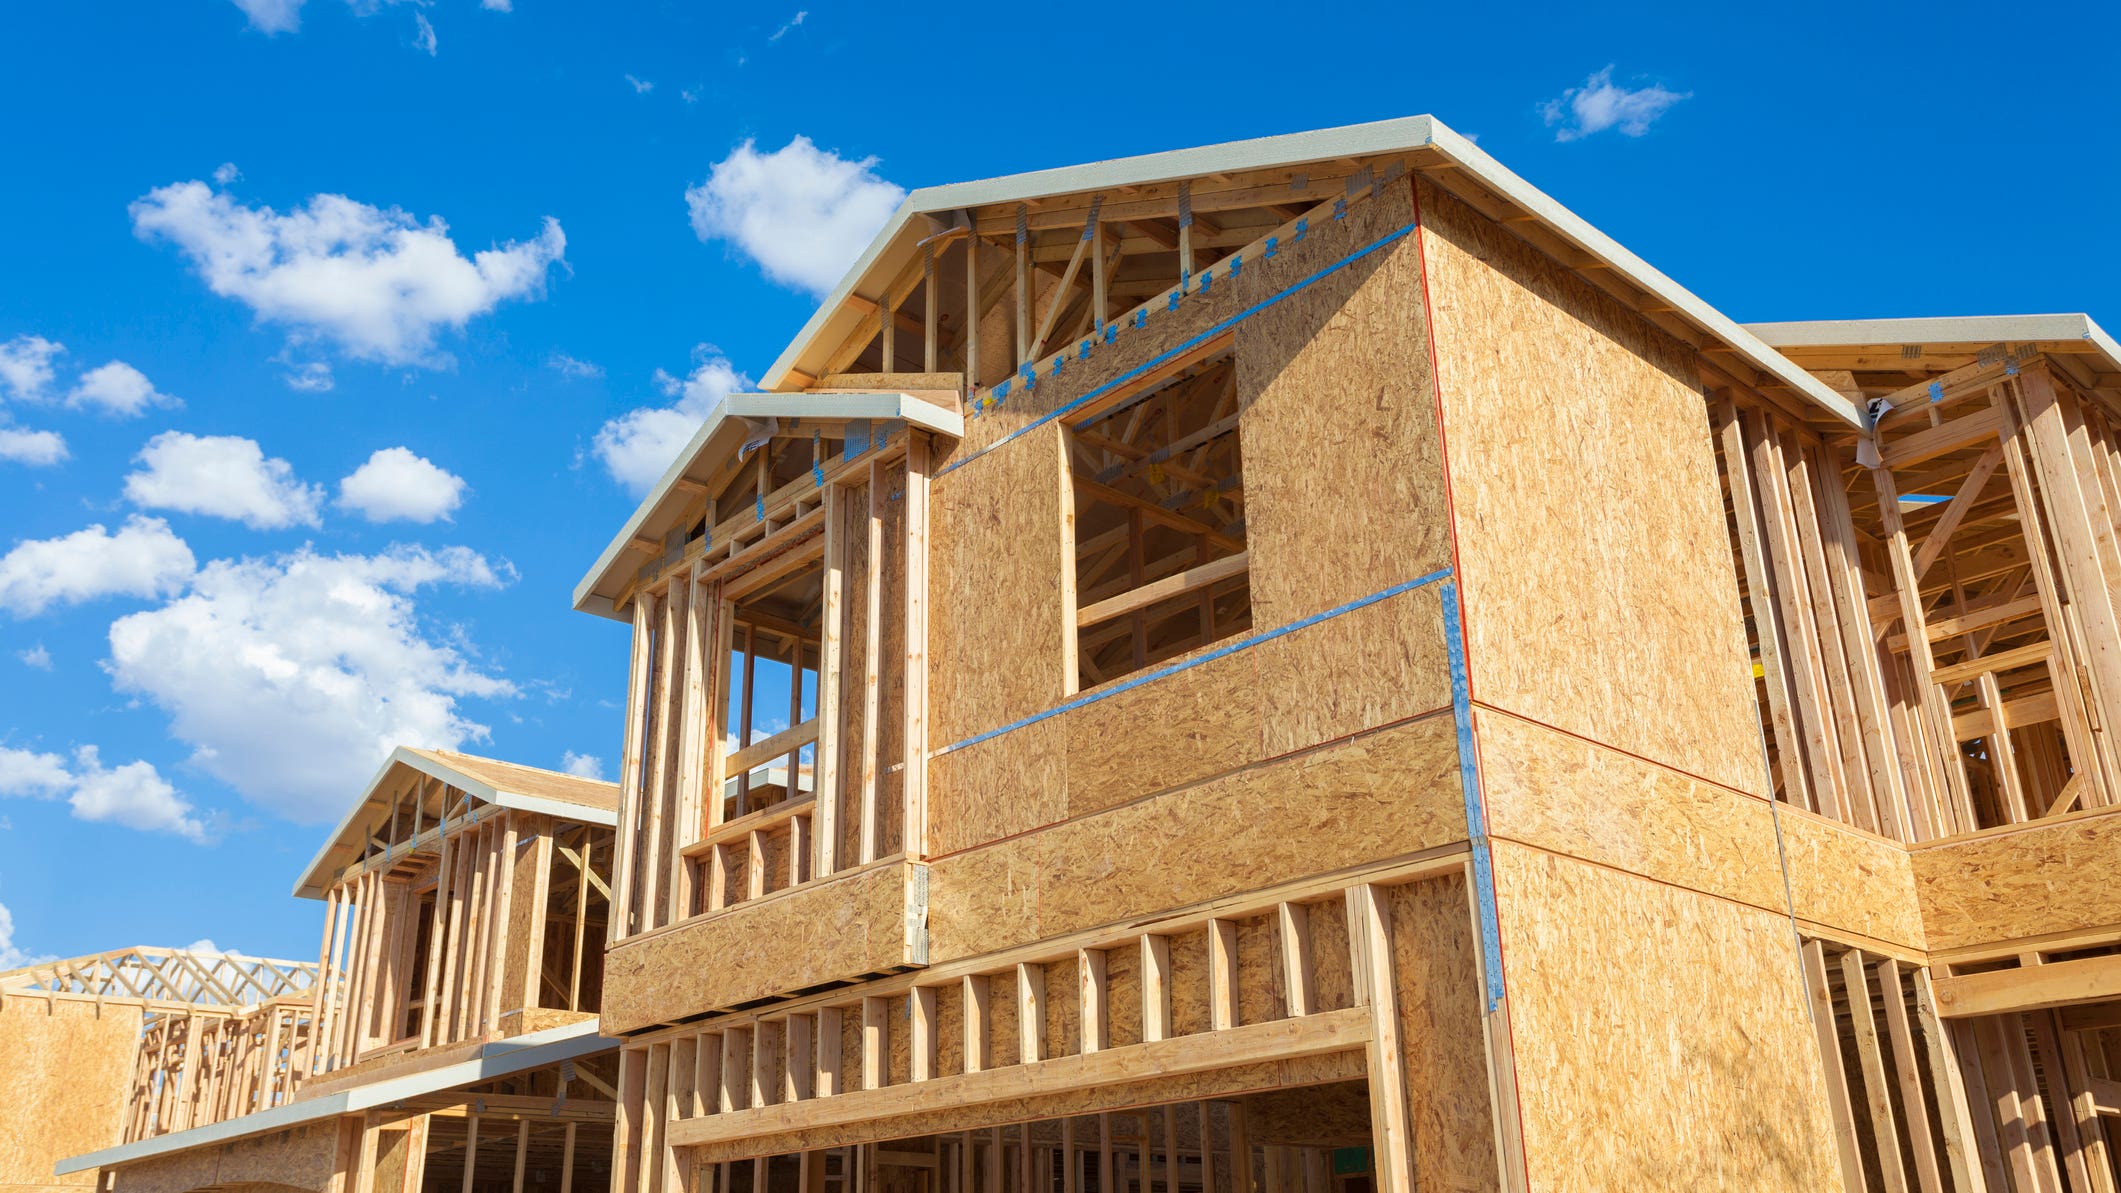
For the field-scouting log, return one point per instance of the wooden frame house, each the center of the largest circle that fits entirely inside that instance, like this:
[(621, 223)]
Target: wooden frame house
[(451, 1041)]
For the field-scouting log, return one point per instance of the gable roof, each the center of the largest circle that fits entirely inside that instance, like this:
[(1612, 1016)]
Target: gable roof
[(1889, 354), (489, 780), (1433, 147)]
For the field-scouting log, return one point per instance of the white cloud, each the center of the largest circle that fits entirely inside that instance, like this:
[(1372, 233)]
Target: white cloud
[(36, 656), (1599, 105), (638, 446), (568, 366), (793, 21), (307, 376), (12, 957), (583, 766), (804, 214), (640, 86), (226, 173), (372, 280), (133, 795), (689, 95), (118, 388), (26, 367), (272, 16), (424, 38), (289, 677), (221, 476), (39, 449), (398, 486), (498, 5), (27, 772), (144, 559)]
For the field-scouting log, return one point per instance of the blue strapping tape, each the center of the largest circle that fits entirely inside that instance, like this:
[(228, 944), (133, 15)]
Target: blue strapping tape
[(1936, 391), (2010, 368), (1273, 246), (1469, 785), (1112, 330), (1057, 362), (1174, 297), (1340, 209), (762, 507), (1141, 317), (1085, 353), (1187, 664), (1207, 278), (817, 457), (1029, 374), (1157, 361), (1303, 226)]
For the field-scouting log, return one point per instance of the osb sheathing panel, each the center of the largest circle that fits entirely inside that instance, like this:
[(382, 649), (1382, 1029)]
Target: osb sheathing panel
[(1633, 1002), (996, 633), (851, 926), (2030, 881), (70, 1066), (1599, 592), (1380, 796), (1218, 1083), (1569, 796), (1436, 964), (1373, 666), (1343, 476), (301, 1157), (1336, 1115)]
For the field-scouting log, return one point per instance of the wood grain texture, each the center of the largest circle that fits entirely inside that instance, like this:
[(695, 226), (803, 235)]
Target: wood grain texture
[(302, 1158), (71, 1066), (1569, 796), (1436, 964), (850, 926), (1343, 469), (2007, 885), (1379, 796), (1599, 591), (1623, 992)]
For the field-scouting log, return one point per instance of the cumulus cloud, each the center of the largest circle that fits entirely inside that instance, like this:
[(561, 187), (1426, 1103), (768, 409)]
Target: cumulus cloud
[(221, 476), (118, 389), (398, 486), (287, 675), (26, 367), (134, 795), (33, 774), (582, 766), (1601, 104), (143, 559), (372, 280), (39, 449), (11, 956), (639, 445), (804, 214), (36, 656), (226, 173), (272, 16)]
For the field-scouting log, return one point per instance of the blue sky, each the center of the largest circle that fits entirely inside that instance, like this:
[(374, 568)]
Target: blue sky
[(361, 323)]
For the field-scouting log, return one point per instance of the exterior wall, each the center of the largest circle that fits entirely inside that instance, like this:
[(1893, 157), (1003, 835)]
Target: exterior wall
[(2047, 879), (314, 1158), (1644, 922), (72, 1063)]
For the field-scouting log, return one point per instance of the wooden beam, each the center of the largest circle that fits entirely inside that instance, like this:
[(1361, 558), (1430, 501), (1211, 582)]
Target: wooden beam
[(2029, 987)]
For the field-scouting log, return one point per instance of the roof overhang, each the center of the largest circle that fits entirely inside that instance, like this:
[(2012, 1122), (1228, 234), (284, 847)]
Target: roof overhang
[(497, 1059), (315, 879), (1911, 339), (734, 424), (930, 210)]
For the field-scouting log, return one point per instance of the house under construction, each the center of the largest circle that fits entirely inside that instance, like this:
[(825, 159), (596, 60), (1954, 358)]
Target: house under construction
[(1301, 666)]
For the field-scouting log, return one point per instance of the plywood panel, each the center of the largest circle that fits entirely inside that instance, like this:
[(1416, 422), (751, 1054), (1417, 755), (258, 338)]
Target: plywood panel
[(1631, 1003), (1170, 733), (1599, 591), (303, 1157), (850, 926), (1380, 796), (1343, 473), (69, 1065), (1436, 963), (1376, 665), (2044, 878), (1000, 787), (1574, 797)]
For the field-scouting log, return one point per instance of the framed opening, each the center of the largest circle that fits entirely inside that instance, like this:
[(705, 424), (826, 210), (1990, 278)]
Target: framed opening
[(1160, 562)]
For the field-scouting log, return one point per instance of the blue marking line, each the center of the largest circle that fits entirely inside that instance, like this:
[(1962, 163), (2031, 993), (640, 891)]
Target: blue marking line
[(1158, 360), (1219, 652)]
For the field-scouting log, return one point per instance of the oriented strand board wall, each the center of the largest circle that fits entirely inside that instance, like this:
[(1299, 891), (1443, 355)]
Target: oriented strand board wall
[(852, 927), (2055, 876), (1661, 1037), (1374, 666), (1436, 961), (1376, 797), (69, 1065), (1343, 473), (304, 1158), (1569, 796), (996, 635), (1599, 591)]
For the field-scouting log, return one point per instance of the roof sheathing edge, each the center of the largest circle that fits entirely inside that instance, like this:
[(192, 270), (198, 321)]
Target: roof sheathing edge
[(1949, 329)]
